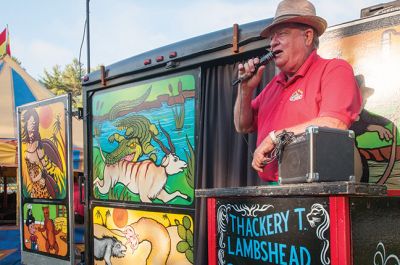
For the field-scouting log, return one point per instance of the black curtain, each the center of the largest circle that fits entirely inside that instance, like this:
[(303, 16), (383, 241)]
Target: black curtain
[(223, 155)]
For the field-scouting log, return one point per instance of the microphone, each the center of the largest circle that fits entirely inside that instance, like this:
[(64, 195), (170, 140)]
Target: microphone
[(263, 61)]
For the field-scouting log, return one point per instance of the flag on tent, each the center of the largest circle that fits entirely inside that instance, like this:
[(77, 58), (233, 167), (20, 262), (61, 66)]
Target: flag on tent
[(4, 42)]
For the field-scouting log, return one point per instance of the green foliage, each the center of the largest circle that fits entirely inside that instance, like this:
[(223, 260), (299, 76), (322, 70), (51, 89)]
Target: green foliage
[(15, 59), (189, 255), (25, 190), (182, 246), (190, 157), (61, 81), (98, 164), (121, 192), (179, 116), (189, 237), (186, 222), (184, 232), (178, 110)]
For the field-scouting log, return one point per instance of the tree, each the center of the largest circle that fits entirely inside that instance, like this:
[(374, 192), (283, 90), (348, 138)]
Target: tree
[(61, 81), (15, 59)]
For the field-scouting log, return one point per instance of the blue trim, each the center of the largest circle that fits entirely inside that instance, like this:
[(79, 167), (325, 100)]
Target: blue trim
[(22, 92), (1, 66), (76, 158)]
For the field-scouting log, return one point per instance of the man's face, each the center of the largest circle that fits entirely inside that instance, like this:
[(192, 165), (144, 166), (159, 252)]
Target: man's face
[(293, 44)]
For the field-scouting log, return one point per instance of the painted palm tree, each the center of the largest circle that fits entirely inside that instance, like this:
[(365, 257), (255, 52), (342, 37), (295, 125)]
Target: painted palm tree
[(99, 215), (57, 131), (178, 110), (165, 217), (108, 214)]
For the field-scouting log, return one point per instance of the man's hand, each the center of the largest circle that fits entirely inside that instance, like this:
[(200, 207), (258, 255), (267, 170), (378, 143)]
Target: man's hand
[(260, 158), (243, 113), (247, 70)]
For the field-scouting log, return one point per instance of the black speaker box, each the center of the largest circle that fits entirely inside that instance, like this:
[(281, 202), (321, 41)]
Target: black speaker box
[(320, 154)]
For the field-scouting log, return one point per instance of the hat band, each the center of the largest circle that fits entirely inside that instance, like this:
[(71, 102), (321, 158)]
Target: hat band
[(288, 16)]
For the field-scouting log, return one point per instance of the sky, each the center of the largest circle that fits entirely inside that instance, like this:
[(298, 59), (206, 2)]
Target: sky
[(45, 33)]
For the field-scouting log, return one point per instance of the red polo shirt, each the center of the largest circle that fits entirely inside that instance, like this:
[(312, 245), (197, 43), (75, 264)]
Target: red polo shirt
[(320, 88)]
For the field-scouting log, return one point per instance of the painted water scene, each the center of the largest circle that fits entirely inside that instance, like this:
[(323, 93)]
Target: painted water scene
[(375, 57), (123, 236), (43, 151), (45, 229), (144, 141)]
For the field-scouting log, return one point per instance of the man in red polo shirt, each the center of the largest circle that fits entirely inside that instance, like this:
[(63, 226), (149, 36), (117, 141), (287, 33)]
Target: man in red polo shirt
[(309, 90)]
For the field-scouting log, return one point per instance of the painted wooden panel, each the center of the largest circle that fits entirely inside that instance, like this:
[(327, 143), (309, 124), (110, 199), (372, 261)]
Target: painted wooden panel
[(125, 236), (46, 229), (372, 47), (144, 141)]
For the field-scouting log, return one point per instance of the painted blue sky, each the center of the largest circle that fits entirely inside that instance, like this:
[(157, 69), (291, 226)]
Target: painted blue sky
[(44, 33)]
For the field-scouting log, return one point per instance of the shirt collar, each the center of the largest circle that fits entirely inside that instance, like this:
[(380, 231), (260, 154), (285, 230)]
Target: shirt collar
[(281, 78)]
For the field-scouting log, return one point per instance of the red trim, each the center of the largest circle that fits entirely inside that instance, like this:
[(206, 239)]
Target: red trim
[(173, 54), (340, 232), (212, 233), (3, 36), (393, 192), (333, 230), (160, 58)]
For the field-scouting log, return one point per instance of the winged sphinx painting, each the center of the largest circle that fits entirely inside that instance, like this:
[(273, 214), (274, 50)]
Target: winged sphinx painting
[(43, 151)]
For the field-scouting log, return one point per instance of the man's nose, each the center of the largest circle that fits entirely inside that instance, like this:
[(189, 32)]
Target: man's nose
[(274, 42)]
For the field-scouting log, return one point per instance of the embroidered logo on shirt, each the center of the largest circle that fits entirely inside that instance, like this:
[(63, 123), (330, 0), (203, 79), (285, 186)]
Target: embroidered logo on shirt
[(297, 95)]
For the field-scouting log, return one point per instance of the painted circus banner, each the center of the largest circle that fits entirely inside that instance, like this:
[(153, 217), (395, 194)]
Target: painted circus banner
[(372, 47), (144, 141), (45, 229), (273, 231), (126, 236)]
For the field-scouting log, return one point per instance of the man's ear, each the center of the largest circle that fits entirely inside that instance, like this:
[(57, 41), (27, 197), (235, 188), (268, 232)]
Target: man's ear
[(309, 36)]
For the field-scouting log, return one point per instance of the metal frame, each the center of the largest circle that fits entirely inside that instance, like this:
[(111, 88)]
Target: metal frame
[(90, 201)]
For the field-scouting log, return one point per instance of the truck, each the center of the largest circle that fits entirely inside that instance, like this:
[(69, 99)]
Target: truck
[(159, 125)]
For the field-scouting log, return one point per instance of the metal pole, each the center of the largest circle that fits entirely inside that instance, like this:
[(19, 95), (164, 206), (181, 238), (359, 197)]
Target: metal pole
[(88, 36)]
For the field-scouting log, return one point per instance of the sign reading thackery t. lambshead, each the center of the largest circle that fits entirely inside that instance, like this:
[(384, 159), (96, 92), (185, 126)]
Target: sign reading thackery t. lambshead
[(273, 231)]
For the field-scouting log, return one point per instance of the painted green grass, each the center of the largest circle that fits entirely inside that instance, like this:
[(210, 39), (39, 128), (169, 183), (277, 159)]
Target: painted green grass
[(179, 116), (190, 156)]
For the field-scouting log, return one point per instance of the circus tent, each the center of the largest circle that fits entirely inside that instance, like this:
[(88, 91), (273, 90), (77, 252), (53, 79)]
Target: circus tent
[(17, 87)]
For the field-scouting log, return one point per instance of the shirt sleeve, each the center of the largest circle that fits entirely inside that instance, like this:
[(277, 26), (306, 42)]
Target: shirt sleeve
[(340, 95)]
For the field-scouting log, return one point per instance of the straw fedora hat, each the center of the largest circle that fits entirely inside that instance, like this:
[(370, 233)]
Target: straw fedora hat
[(296, 11)]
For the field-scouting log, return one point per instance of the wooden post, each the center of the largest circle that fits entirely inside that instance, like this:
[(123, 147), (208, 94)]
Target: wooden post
[(235, 38)]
